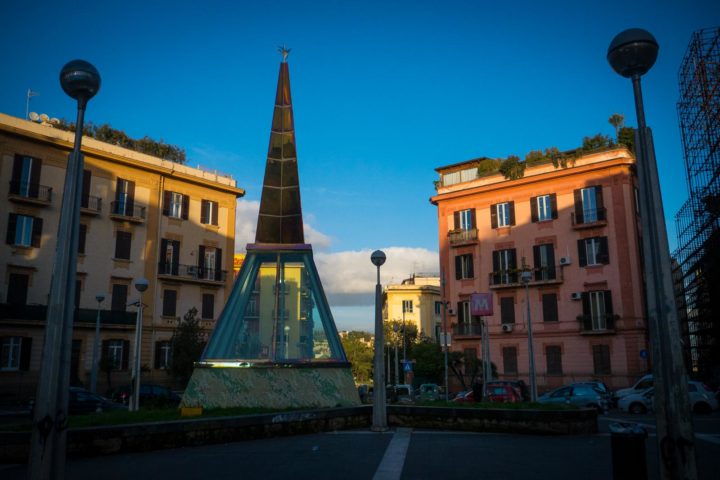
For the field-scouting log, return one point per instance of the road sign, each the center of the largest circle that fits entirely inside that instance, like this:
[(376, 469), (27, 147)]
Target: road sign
[(481, 304), (643, 353), (445, 339), (407, 367)]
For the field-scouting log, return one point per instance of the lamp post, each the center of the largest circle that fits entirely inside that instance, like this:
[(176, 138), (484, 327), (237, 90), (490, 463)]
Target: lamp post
[(287, 340), (631, 54), (526, 277), (81, 81), (134, 404), (396, 363), (445, 304), (96, 346), (379, 423)]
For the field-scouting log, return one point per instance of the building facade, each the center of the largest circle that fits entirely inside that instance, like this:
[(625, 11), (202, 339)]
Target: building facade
[(575, 229), (141, 217), (416, 300)]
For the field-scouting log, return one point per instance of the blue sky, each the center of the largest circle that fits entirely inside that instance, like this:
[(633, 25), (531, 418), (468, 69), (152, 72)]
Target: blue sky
[(383, 92)]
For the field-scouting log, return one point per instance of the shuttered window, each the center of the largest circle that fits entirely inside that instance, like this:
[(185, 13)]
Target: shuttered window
[(209, 212), (119, 297), (507, 310), (601, 359), (208, 306), (169, 303), (510, 360), (553, 355), (550, 307), (122, 245)]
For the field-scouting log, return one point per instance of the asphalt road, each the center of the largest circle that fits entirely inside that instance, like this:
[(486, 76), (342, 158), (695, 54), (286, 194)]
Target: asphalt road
[(398, 454)]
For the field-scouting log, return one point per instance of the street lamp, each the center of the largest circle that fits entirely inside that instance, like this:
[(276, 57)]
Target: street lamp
[(526, 277), (96, 346), (134, 405), (631, 54), (379, 423), (287, 340), (81, 81)]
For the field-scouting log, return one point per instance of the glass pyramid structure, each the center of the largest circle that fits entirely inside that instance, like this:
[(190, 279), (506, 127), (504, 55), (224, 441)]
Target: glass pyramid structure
[(276, 336)]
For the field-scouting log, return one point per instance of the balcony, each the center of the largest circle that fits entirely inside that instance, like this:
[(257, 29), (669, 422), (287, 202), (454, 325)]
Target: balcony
[(591, 217), (33, 193), (549, 275), (467, 330), (462, 237), (594, 325), (82, 315), (124, 211), (90, 205), (192, 273)]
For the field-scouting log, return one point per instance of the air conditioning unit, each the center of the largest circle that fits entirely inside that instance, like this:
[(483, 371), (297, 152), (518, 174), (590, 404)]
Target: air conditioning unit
[(576, 296), (565, 261), (451, 312), (507, 327)]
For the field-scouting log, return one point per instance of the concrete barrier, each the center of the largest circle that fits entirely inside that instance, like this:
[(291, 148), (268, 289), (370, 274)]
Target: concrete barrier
[(141, 437)]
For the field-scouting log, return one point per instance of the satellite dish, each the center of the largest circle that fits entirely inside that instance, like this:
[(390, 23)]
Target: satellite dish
[(55, 121), (44, 117), (34, 116)]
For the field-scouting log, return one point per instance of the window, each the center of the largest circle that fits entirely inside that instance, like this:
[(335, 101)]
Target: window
[(543, 208), (407, 306), (463, 312), (593, 251), (589, 205), (504, 266), (15, 353), (208, 306), (544, 257), (119, 297), (510, 360), (601, 359), (464, 267), (597, 310), (464, 219), (550, 307), (163, 354), (209, 212), (507, 310), (438, 309), (169, 257), (169, 303), (210, 263), (122, 245), (553, 354), (25, 176), (124, 198), (24, 230), (116, 352), (85, 198), (502, 214), (176, 205), (17, 289), (82, 237)]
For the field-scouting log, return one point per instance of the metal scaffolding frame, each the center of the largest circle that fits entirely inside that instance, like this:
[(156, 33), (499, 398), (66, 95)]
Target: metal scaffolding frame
[(698, 220)]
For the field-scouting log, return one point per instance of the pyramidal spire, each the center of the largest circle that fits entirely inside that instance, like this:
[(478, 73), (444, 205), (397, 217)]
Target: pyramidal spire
[(280, 217)]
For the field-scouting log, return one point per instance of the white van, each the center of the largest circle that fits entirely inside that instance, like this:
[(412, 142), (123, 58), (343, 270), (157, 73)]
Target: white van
[(641, 385)]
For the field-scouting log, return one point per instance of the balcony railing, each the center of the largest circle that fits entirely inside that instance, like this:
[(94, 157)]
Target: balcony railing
[(30, 191), (467, 330), (460, 237), (590, 217), (513, 277), (127, 210), (83, 315), (192, 272), (597, 324), (90, 204)]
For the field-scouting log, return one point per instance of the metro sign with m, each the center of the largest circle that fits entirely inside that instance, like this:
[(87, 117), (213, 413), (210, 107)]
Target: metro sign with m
[(481, 304)]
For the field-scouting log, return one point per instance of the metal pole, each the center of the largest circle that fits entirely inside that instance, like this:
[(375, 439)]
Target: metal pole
[(531, 354), (135, 397), (96, 348), (396, 364), (404, 360), (674, 424), (379, 423), (487, 364), (445, 333)]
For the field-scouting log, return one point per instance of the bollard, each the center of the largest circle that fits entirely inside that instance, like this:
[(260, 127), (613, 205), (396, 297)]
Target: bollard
[(627, 441)]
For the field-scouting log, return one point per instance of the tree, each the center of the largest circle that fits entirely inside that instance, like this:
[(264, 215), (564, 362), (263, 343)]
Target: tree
[(187, 347), (468, 370), (617, 120), (429, 360), (359, 350), (512, 168), (627, 138), (596, 142)]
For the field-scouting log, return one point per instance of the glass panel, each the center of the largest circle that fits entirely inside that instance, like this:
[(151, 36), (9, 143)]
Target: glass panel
[(589, 205)]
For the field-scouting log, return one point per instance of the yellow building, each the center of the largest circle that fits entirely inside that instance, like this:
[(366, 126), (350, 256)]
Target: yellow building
[(418, 299), (141, 217)]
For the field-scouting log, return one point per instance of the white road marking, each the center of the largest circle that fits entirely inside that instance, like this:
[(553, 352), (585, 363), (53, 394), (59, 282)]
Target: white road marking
[(391, 466)]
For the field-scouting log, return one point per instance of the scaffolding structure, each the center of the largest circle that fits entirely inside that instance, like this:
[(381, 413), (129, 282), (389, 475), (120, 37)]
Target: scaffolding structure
[(698, 220)]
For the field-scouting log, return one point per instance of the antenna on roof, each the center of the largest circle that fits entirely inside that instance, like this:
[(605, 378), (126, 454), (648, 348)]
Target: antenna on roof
[(30, 94)]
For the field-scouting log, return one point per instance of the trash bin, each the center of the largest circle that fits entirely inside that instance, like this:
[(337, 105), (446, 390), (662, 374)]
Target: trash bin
[(627, 441)]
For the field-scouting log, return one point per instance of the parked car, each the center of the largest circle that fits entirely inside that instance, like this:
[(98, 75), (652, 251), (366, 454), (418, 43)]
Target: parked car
[(581, 395), (645, 382), (520, 387), (465, 396), (404, 394), (428, 391), (700, 396), (502, 394), (155, 395), (83, 401)]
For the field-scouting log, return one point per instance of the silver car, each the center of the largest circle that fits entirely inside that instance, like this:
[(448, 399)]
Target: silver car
[(701, 400), (579, 394)]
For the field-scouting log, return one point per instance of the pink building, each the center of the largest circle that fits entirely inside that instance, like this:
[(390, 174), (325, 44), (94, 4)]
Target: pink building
[(576, 230)]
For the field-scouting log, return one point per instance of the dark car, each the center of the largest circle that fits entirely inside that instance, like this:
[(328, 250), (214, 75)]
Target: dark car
[(581, 395), (150, 395), (84, 401)]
